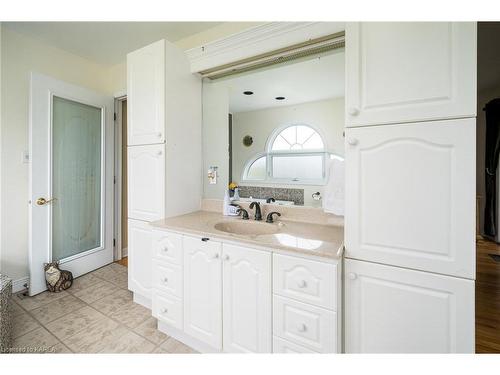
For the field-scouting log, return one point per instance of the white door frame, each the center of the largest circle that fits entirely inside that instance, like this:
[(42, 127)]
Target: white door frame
[(118, 139), (43, 88)]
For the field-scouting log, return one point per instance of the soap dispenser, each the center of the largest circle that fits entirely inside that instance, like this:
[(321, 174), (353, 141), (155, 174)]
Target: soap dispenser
[(227, 208)]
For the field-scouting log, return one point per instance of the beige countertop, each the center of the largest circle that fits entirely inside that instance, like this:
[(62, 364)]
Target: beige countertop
[(292, 236)]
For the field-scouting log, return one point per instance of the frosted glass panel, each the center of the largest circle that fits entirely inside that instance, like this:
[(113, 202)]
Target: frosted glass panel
[(76, 178), (301, 167), (257, 171)]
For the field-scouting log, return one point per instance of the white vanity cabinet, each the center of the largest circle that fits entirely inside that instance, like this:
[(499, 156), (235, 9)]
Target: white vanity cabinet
[(161, 132), (146, 95), (139, 260), (409, 197), (247, 305), (220, 297), (397, 310), (203, 290), (410, 190), (146, 182), (409, 71)]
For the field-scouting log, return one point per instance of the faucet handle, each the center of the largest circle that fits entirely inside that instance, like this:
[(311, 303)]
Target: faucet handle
[(269, 218), (244, 213)]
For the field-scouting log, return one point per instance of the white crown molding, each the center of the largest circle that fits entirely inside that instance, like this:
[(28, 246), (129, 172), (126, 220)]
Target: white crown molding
[(257, 40)]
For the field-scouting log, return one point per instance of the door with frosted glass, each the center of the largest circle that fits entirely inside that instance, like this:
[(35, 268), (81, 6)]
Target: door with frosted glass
[(71, 141)]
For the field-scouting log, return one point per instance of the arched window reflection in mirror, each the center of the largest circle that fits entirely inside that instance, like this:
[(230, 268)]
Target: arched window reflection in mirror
[(294, 154)]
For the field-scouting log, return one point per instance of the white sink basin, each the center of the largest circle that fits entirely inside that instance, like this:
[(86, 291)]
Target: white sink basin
[(249, 228)]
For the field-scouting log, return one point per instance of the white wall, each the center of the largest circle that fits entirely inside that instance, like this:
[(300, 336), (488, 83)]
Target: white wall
[(327, 116), (20, 56)]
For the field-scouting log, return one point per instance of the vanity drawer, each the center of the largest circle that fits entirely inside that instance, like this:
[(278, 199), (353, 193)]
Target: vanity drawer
[(167, 246), (168, 309), (305, 280), (283, 346), (167, 278), (309, 326)]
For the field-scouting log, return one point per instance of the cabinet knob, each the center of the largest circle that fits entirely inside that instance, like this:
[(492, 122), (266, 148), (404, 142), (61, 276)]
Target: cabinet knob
[(165, 280), (160, 152), (160, 134), (302, 328), (302, 284), (352, 141), (216, 256), (353, 111), (352, 276), (226, 257), (165, 249), (164, 311)]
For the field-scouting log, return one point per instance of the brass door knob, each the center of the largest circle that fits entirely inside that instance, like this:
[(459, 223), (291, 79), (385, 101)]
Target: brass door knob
[(42, 201)]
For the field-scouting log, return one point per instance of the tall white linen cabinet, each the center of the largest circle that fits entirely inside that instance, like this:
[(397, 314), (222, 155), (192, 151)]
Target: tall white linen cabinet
[(163, 150), (410, 187)]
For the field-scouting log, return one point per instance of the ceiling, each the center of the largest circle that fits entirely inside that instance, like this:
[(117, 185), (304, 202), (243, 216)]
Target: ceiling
[(300, 82), (106, 43)]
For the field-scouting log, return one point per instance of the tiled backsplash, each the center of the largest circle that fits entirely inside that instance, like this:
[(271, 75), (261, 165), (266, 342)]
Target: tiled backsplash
[(284, 194)]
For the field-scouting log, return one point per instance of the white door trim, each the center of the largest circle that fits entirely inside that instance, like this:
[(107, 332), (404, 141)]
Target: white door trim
[(118, 139)]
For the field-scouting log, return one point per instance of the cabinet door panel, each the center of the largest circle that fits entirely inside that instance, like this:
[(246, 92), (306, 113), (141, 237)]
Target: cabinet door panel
[(410, 196), (247, 300), (139, 257), (396, 310), (203, 290), (411, 71), (146, 95), (146, 182)]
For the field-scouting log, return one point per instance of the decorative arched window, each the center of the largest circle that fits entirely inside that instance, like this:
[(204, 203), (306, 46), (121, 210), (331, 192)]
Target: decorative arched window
[(294, 154)]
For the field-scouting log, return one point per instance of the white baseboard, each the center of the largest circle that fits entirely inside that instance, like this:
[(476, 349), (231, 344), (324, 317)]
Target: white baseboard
[(19, 284), (124, 252), (185, 338), (142, 300)]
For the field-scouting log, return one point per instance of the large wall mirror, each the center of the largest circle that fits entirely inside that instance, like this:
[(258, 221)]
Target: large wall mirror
[(274, 131)]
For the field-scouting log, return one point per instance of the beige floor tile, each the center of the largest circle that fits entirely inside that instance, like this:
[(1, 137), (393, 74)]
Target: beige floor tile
[(96, 291), (160, 350), (149, 330), (171, 345), (37, 341), (30, 303), (118, 268), (72, 323), (57, 309), (16, 308), (129, 343), (110, 271), (23, 323), (120, 280), (113, 302), (83, 282), (132, 315), (59, 348), (95, 337)]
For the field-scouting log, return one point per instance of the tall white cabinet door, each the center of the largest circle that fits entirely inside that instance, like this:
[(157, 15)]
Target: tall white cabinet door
[(203, 290), (146, 182), (146, 95), (139, 257), (411, 71), (247, 306), (410, 196), (396, 310)]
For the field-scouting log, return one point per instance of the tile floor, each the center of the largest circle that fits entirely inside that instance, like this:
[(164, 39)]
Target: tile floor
[(96, 315)]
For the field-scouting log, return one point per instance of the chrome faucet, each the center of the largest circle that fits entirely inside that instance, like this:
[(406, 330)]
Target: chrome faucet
[(258, 213)]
